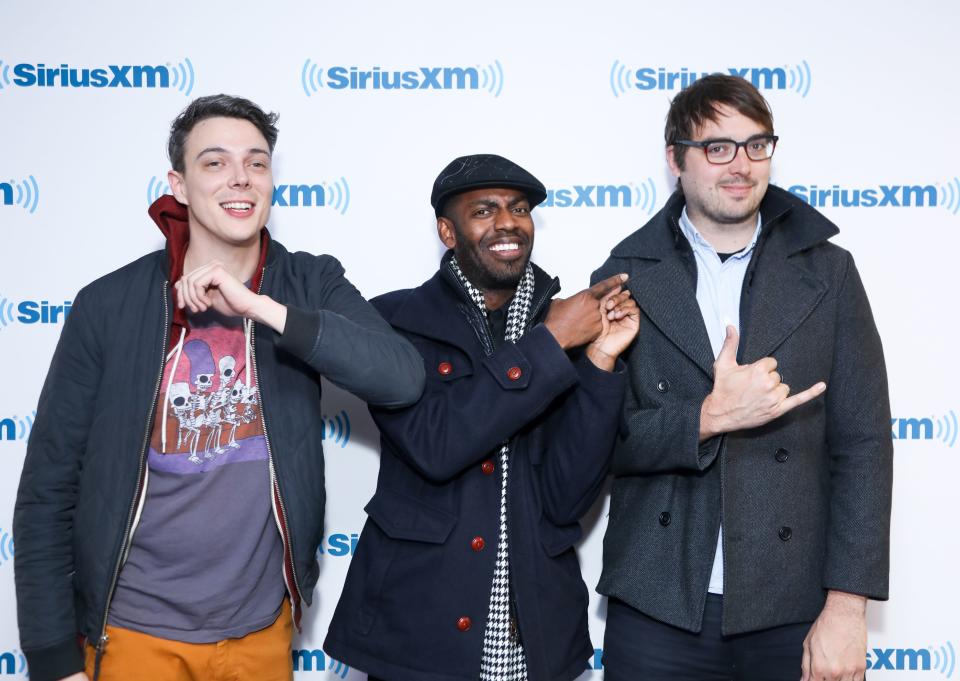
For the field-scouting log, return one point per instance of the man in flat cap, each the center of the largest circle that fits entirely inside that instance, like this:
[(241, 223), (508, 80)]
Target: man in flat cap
[(466, 567)]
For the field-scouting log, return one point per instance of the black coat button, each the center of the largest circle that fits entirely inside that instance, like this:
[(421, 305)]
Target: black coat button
[(664, 518), (781, 455), (663, 385), (785, 533)]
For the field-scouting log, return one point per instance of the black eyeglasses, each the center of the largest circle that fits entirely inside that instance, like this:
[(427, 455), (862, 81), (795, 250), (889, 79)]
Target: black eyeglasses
[(721, 151)]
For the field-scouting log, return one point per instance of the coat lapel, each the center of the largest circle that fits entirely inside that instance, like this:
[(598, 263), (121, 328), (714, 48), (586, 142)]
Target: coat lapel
[(782, 292), (665, 293), (783, 296)]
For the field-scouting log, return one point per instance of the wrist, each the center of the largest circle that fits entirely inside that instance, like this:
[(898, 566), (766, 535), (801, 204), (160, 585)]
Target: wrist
[(846, 602), (558, 335), (709, 427), (268, 311), (601, 359)]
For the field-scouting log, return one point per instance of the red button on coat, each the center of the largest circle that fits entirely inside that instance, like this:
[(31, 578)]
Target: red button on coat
[(513, 373), (477, 544), (464, 623), (487, 466), (445, 368)]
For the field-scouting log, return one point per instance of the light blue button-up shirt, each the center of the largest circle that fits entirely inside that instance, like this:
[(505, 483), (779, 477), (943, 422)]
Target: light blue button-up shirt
[(719, 284)]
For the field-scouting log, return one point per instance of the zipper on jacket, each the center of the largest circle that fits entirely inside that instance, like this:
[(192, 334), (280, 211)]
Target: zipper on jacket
[(283, 522), (125, 546)]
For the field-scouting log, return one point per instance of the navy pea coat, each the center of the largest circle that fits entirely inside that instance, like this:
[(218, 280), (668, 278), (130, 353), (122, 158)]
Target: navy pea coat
[(415, 601)]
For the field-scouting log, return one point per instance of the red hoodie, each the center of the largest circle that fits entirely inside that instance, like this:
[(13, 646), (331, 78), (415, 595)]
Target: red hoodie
[(172, 218)]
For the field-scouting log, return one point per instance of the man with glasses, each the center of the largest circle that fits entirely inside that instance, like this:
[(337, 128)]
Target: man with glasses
[(748, 524)]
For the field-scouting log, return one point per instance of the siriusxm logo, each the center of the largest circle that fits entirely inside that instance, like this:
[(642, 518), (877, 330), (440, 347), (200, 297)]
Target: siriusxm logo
[(13, 663), (23, 193), (6, 546), (941, 659), (179, 76), (943, 428), (337, 429), (338, 545), (16, 428), (489, 78), (315, 660), (333, 194), (881, 196), (32, 312), (646, 78), (642, 195)]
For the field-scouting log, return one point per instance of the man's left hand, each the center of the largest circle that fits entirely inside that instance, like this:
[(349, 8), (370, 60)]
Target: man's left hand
[(836, 646), (620, 318)]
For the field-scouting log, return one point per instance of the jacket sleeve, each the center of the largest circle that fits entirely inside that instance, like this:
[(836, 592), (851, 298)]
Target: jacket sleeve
[(580, 438), (348, 342), (860, 449), (46, 499), (458, 423), (662, 431)]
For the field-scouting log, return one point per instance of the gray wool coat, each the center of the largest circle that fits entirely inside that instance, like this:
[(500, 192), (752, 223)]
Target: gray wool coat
[(804, 500)]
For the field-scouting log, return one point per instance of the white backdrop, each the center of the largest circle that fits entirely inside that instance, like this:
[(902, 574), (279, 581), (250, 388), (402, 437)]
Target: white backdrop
[(865, 101)]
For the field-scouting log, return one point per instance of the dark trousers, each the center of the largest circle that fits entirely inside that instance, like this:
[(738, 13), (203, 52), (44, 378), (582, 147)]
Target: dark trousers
[(638, 648)]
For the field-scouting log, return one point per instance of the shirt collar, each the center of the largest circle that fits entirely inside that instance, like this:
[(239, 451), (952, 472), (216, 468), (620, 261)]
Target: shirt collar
[(700, 244)]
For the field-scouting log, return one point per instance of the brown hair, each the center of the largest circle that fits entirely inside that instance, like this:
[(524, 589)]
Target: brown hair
[(698, 103)]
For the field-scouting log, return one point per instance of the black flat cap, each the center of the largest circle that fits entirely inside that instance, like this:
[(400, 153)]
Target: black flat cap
[(484, 170)]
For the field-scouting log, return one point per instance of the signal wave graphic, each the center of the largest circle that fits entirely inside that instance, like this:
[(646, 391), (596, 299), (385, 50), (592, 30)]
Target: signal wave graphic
[(182, 76), (800, 78), (337, 195), (28, 193), (311, 77), (156, 188), (6, 312), (947, 428), (944, 659), (492, 77), (338, 668), (4, 75), (23, 425), (619, 78), (6, 546), (950, 195), (645, 195), (337, 429)]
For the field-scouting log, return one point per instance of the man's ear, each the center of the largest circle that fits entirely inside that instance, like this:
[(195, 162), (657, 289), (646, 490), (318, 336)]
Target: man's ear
[(177, 186), (446, 232), (672, 161)]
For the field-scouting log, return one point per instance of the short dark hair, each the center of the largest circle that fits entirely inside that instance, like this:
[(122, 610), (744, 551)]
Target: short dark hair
[(214, 106), (698, 103)]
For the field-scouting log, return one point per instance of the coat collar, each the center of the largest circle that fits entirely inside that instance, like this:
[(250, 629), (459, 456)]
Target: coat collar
[(780, 290), (426, 310)]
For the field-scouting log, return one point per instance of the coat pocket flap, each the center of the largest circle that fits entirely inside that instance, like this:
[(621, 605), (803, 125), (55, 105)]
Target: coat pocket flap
[(403, 517), (556, 539)]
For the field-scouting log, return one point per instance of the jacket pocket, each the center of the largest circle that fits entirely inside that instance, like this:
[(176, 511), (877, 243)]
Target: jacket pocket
[(555, 539), (404, 517)]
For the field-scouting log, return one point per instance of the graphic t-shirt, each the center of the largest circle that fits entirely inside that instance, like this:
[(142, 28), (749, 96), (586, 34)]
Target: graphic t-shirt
[(206, 558)]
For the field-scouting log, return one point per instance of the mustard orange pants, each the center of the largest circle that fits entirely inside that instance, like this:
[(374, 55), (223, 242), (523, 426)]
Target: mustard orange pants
[(263, 655)]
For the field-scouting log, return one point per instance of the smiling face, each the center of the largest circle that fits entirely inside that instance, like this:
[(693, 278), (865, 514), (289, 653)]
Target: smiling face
[(226, 184), (491, 234), (723, 197)]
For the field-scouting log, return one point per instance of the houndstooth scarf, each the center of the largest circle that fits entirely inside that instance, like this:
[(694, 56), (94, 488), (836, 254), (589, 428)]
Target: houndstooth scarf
[(503, 657)]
